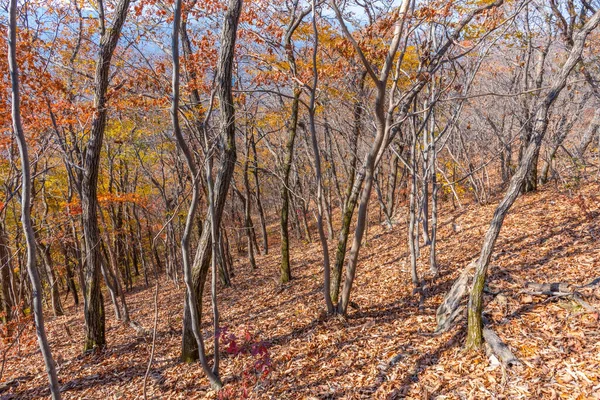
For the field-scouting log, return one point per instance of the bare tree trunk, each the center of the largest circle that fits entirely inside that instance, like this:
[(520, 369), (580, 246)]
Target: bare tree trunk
[(26, 203), (424, 208), (249, 227), (194, 175), (140, 242), (351, 195), (111, 283), (52, 281), (224, 262), (393, 177), (204, 251), (94, 306), (317, 159), (111, 269), (71, 287), (433, 267), (475, 307), (412, 209), (259, 206), (292, 128), (5, 275), (286, 272), (588, 136)]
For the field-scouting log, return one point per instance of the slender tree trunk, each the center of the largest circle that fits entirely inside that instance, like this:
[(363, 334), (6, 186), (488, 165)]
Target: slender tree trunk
[(425, 191), (249, 227), (26, 203), (71, 287), (412, 209), (194, 175), (286, 273), (259, 206), (111, 283), (292, 128), (352, 191), (52, 281), (475, 306), (5, 275), (433, 267), (317, 160), (589, 135), (391, 193)]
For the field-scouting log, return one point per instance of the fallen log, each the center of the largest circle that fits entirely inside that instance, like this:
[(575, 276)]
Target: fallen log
[(562, 289), (495, 345), (549, 289), (559, 288)]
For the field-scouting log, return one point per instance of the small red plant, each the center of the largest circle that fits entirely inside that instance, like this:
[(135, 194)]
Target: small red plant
[(257, 362)]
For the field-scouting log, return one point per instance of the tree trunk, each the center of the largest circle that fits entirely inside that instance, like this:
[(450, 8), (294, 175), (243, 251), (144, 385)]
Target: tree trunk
[(52, 281), (5, 275), (475, 307), (259, 206), (26, 203), (352, 191), (588, 136), (317, 160), (286, 273), (71, 287), (412, 209), (393, 177), (94, 306), (202, 259), (249, 227)]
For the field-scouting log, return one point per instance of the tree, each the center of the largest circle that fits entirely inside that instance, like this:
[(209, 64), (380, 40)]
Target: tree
[(540, 124), (93, 303), (26, 203), (226, 140)]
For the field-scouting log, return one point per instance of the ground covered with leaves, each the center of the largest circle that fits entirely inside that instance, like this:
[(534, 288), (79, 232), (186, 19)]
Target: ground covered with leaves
[(279, 343)]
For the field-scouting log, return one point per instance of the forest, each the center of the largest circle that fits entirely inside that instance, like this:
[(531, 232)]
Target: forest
[(300, 199)]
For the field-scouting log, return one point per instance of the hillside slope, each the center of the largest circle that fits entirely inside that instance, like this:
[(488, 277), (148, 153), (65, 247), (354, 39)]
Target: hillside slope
[(384, 348)]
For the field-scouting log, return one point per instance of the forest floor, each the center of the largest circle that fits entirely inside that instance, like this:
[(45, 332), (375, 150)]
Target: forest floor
[(384, 349)]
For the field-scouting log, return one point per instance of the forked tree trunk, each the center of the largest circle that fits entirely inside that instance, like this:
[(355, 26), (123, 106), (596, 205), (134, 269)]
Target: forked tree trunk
[(194, 176), (228, 158), (94, 305)]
